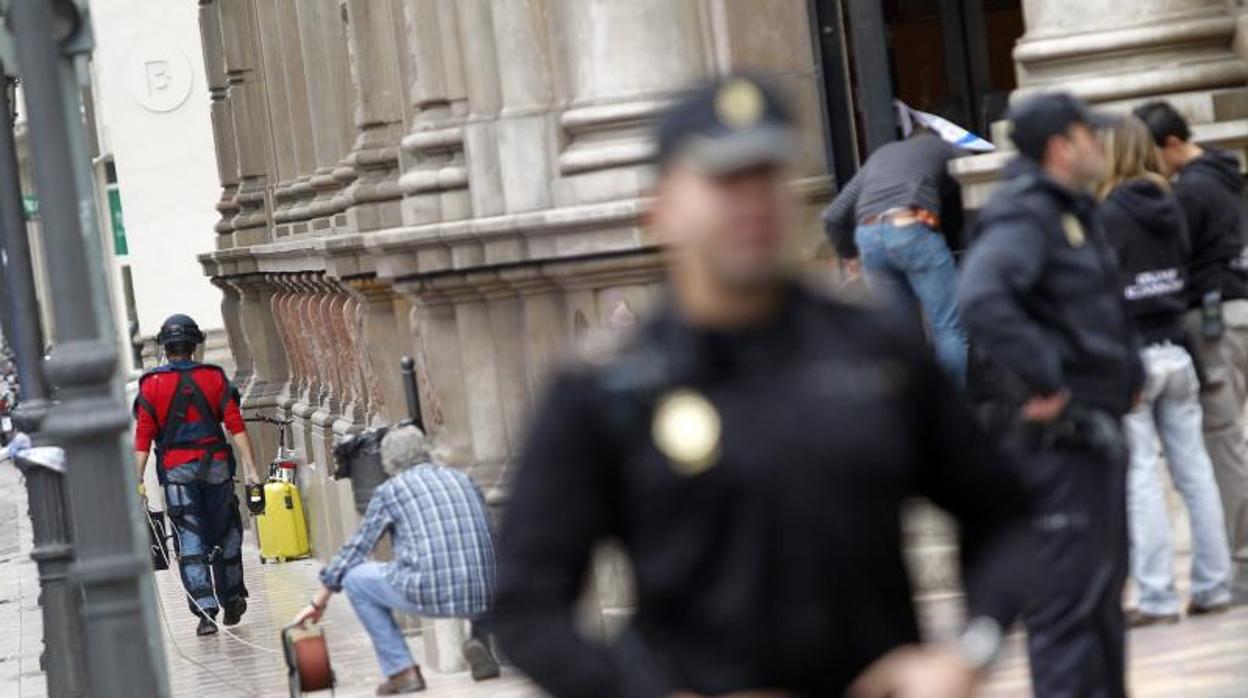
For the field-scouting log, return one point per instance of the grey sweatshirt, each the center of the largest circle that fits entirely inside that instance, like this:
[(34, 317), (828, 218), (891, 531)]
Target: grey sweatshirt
[(911, 173)]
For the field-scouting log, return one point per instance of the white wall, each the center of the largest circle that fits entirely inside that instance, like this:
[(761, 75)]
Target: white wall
[(152, 109)]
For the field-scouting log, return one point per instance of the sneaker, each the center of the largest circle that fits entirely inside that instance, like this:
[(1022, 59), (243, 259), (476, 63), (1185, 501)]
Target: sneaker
[(234, 611), (1139, 619), (480, 660), (407, 681), (1195, 609), (206, 626)]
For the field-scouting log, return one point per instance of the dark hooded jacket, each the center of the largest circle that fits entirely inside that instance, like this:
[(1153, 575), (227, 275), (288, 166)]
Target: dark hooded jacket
[(1148, 232), (1211, 193), (1040, 298)]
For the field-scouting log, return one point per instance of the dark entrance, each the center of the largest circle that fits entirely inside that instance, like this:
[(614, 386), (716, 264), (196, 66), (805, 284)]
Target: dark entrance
[(950, 57)]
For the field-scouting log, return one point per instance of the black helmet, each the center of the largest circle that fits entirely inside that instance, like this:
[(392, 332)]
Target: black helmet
[(179, 329)]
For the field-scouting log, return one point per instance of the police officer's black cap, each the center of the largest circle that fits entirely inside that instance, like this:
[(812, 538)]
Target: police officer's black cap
[(1037, 118), (732, 124)]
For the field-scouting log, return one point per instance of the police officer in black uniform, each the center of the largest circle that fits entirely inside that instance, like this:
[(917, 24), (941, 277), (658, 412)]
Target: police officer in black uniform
[(1040, 298), (750, 448)]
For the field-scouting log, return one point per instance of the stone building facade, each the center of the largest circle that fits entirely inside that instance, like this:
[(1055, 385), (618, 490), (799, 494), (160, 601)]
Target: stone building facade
[(463, 181)]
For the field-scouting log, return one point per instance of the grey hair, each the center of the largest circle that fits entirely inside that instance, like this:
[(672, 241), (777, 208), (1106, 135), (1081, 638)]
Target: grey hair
[(403, 447)]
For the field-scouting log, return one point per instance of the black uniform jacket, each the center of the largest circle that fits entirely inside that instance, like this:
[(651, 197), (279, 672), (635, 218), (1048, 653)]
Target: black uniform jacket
[(1149, 236), (1211, 192), (1039, 294), (781, 565)]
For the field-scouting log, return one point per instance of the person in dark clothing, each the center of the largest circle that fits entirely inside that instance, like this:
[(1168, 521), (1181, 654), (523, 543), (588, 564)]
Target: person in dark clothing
[(1041, 299), (1210, 191), (1149, 235), (751, 448), (889, 218)]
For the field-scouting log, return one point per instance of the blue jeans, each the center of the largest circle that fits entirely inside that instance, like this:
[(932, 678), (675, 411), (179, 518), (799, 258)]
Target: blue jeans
[(375, 600), (209, 533), (1170, 410), (912, 262)]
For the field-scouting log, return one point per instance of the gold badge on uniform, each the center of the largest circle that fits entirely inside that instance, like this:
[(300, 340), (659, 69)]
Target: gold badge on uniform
[(687, 430), (1073, 229), (739, 103)]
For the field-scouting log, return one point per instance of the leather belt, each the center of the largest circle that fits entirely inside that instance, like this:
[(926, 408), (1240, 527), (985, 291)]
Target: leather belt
[(904, 216)]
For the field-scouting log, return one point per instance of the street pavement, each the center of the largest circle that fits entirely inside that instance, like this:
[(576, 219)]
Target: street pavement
[(1198, 658)]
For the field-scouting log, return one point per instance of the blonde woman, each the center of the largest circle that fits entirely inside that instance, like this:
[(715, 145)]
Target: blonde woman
[(1148, 232)]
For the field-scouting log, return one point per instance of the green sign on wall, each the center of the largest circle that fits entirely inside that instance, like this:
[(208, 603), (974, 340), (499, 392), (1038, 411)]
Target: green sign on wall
[(119, 226)]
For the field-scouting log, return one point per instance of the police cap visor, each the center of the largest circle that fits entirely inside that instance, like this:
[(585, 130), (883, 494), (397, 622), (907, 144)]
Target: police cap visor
[(1037, 118), (728, 126)]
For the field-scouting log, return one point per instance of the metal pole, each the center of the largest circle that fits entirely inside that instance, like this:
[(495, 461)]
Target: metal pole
[(412, 390), (875, 86), (113, 574), (64, 654)]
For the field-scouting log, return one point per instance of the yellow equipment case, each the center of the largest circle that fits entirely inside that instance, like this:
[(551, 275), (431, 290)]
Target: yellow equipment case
[(282, 528)]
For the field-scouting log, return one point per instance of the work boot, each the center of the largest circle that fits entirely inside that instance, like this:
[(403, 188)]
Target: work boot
[(407, 681), (234, 611), (1140, 619), (206, 626), (1195, 609), (480, 660)]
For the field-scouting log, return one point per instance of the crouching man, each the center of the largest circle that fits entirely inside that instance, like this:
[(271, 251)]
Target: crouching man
[(443, 564)]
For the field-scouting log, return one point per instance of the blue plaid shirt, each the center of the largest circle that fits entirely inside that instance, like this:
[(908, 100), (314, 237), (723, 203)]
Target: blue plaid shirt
[(443, 547)]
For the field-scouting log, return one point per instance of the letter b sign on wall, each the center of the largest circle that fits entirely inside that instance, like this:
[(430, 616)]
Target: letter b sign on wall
[(160, 79)]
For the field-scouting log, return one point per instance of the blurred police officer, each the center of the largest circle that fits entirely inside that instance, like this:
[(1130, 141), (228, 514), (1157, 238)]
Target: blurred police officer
[(750, 448), (1040, 298)]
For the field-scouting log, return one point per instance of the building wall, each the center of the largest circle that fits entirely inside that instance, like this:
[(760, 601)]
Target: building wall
[(1118, 54), (152, 116)]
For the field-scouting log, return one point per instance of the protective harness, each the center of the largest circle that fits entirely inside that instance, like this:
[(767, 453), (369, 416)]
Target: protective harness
[(174, 431), (187, 510)]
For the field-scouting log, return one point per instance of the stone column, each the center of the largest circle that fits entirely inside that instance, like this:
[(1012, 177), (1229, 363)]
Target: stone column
[(281, 320), (1107, 51), (481, 380), (345, 316), (374, 60), (620, 62), (300, 116), (317, 414), (526, 128), (222, 120), (440, 367), (1120, 54), (435, 178), (276, 92), (305, 400), (231, 307), (268, 354), (382, 344), (246, 89), (482, 84), (545, 338), (323, 46)]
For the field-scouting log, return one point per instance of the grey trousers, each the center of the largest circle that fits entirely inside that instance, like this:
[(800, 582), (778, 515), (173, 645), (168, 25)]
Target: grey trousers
[(1223, 398)]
